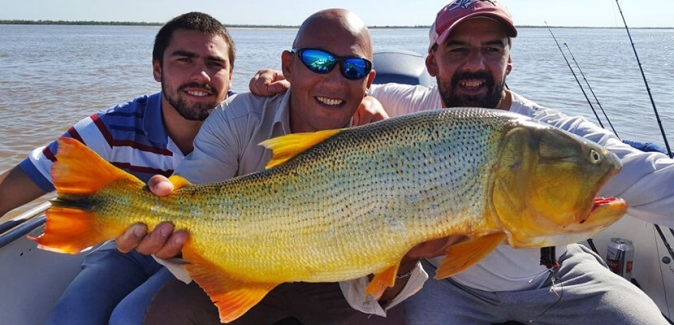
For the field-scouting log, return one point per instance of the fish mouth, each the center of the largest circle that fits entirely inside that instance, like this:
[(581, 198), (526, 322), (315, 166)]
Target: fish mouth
[(605, 211)]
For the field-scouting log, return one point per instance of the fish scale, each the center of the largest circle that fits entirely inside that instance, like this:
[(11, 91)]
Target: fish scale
[(353, 202)]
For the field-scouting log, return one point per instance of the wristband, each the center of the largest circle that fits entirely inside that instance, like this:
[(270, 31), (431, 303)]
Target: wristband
[(404, 275)]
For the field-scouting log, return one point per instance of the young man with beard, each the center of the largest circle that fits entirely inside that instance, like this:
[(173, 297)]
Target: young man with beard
[(469, 54), (193, 58), (323, 96)]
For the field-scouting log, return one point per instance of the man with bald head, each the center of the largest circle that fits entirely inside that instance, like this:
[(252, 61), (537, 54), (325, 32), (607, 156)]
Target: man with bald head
[(330, 69)]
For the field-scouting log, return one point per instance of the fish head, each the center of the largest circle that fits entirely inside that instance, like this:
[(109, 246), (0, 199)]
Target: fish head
[(545, 186)]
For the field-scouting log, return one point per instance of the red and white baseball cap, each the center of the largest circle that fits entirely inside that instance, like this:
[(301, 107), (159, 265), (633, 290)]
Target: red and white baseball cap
[(459, 10)]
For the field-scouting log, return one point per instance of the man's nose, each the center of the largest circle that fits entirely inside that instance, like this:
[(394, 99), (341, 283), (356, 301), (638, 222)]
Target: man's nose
[(200, 74), (335, 76), (475, 62)]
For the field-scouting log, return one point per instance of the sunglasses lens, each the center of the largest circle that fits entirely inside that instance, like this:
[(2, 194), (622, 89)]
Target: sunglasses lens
[(355, 68), (323, 62), (318, 61)]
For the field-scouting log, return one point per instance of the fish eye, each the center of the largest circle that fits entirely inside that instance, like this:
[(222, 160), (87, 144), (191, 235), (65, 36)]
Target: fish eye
[(595, 157)]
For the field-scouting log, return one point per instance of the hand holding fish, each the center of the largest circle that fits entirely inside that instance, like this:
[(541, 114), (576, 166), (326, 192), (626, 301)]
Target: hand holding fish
[(162, 242)]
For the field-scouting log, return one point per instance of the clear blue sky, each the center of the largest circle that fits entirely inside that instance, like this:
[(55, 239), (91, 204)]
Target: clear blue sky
[(600, 13)]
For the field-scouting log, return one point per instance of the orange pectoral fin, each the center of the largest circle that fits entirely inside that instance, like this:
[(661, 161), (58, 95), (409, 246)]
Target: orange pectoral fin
[(381, 281), (233, 297), (465, 254)]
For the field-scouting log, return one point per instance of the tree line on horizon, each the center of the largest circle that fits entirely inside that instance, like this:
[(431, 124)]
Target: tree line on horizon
[(134, 23)]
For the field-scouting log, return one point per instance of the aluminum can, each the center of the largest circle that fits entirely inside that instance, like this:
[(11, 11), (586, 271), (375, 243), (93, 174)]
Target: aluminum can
[(620, 257)]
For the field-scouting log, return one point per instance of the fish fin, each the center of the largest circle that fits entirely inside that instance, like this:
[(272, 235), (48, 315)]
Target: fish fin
[(465, 254), (68, 231), (78, 173), (288, 146), (381, 281), (233, 297), (178, 181)]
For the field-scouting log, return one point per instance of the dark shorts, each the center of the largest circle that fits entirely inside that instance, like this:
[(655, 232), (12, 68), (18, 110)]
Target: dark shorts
[(309, 303)]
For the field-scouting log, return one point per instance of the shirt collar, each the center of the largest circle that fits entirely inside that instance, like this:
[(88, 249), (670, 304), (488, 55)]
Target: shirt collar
[(153, 123)]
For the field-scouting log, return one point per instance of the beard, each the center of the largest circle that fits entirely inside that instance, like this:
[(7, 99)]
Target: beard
[(190, 112), (451, 98)]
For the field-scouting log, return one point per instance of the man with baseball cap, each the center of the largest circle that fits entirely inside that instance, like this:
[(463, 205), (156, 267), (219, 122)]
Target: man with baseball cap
[(469, 54), (457, 11)]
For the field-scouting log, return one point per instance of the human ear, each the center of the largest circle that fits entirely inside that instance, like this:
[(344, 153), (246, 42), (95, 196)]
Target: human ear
[(156, 70), (287, 63), (509, 67), (431, 66), (370, 79)]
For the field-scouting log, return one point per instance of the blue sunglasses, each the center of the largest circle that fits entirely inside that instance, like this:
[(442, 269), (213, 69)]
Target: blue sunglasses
[(322, 62)]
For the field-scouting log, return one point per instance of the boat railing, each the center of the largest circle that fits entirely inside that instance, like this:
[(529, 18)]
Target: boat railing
[(22, 224)]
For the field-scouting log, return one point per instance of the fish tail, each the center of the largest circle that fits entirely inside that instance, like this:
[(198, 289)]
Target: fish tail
[(78, 175)]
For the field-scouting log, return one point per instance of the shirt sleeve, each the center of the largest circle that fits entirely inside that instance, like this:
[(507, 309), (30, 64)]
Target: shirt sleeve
[(215, 155), (37, 167), (354, 292), (400, 99), (38, 163), (646, 180)]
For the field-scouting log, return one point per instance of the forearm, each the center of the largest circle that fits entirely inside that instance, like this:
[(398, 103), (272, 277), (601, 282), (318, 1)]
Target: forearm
[(17, 189), (407, 267), (354, 292)]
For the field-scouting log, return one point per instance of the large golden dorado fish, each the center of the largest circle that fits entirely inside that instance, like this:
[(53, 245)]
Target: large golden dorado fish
[(340, 204)]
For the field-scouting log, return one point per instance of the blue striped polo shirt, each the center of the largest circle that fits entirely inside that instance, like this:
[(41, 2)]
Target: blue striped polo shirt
[(131, 136)]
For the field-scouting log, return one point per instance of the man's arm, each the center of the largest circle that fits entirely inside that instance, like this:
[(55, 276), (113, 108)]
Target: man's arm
[(409, 262), (17, 189)]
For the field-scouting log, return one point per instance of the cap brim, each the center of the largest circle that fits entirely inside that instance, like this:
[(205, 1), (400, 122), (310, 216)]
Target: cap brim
[(511, 31)]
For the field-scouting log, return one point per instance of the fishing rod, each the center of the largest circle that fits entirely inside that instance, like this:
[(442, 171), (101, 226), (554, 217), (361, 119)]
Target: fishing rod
[(590, 242), (592, 91), (643, 75), (657, 116), (574, 75)]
